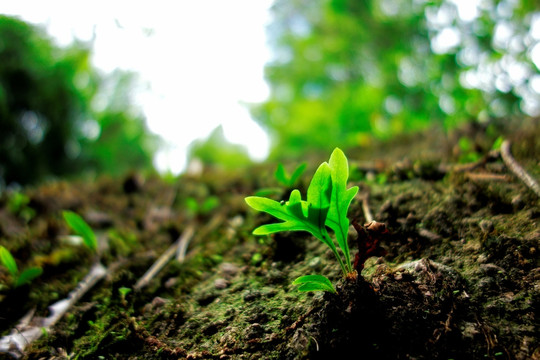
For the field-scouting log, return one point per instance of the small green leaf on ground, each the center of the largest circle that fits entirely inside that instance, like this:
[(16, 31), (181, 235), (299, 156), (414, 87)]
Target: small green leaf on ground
[(79, 226), (8, 261), (28, 275), (314, 283)]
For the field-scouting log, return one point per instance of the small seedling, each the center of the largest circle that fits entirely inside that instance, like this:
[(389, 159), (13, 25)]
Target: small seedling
[(81, 228), (18, 205), (289, 180), (327, 204), (124, 291), (19, 278), (204, 207)]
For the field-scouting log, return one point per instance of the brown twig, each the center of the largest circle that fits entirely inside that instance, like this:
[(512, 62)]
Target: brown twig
[(365, 207), (484, 176), (183, 242), (179, 247), (517, 169), (489, 157), (157, 266)]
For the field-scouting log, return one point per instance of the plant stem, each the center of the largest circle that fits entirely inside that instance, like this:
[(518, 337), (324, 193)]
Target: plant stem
[(334, 250)]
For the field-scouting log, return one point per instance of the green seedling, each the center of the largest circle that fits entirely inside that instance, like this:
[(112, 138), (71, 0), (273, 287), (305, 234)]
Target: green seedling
[(18, 205), (196, 207), (81, 228), (468, 153), (19, 278), (327, 204), (289, 180), (124, 291)]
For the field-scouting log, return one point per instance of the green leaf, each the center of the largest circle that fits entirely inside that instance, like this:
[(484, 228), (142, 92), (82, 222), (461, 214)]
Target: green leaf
[(291, 212), (8, 261), (28, 275), (297, 173), (341, 200), (497, 144), (79, 226), (314, 283), (299, 215), (283, 177), (319, 194)]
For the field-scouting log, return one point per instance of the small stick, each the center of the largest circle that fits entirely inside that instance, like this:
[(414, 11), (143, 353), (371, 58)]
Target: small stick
[(489, 157), (517, 169), (183, 242), (483, 176), (157, 266), (365, 208), (26, 333)]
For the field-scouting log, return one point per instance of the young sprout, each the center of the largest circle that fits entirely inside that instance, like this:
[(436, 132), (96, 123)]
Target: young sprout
[(289, 180), (19, 278), (326, 207), (81, 228)]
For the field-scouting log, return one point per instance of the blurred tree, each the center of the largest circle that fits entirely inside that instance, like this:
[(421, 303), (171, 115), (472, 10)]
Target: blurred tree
[(47, 124), (216, 150), (344, 69)]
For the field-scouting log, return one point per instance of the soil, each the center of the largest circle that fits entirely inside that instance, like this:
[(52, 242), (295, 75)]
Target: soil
[(457, 275)]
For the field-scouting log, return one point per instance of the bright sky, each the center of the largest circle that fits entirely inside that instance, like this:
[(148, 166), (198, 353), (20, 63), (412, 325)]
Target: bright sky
[(201, 59)]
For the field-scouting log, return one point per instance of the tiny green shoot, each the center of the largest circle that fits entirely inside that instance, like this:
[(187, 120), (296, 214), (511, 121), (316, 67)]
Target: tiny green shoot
[(81, 228), (289, 180), (326, 206), (19, 278), (124, 291)]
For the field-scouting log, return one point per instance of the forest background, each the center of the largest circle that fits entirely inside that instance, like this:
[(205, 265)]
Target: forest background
[(343, 73)]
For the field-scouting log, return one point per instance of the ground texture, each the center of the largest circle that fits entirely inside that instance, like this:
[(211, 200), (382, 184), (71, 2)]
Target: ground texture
[(456, 276)]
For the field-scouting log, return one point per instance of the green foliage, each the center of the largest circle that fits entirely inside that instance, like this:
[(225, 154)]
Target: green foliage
[(497, 144), (314, 283), (124, 291), (346, 70), (283, 177), (27, 275), (326, 206), (18, 205), (8, 261), (58, 115), (467, 150), (201, 207), (19, 278), (216, 150), (81, 228)]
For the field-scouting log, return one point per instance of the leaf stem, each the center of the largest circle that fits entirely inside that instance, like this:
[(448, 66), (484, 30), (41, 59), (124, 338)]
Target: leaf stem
[(334, 250)]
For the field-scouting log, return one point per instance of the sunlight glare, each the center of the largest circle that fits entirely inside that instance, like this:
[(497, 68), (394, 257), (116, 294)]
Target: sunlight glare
[(198, 62)]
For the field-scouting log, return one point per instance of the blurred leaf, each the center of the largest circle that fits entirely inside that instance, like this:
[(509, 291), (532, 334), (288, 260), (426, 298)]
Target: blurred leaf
[(8, 261), (28, 275), (80, 227)]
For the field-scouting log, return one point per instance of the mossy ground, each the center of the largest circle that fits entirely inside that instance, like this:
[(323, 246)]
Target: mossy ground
[(460, 278)]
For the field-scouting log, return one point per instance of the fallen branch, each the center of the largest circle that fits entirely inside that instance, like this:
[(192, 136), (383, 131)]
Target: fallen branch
[(517, 169), (30, 329)]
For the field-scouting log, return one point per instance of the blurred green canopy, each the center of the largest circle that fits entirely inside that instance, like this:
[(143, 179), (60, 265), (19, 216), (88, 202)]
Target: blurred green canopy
[(344, 70), (58, 115)]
